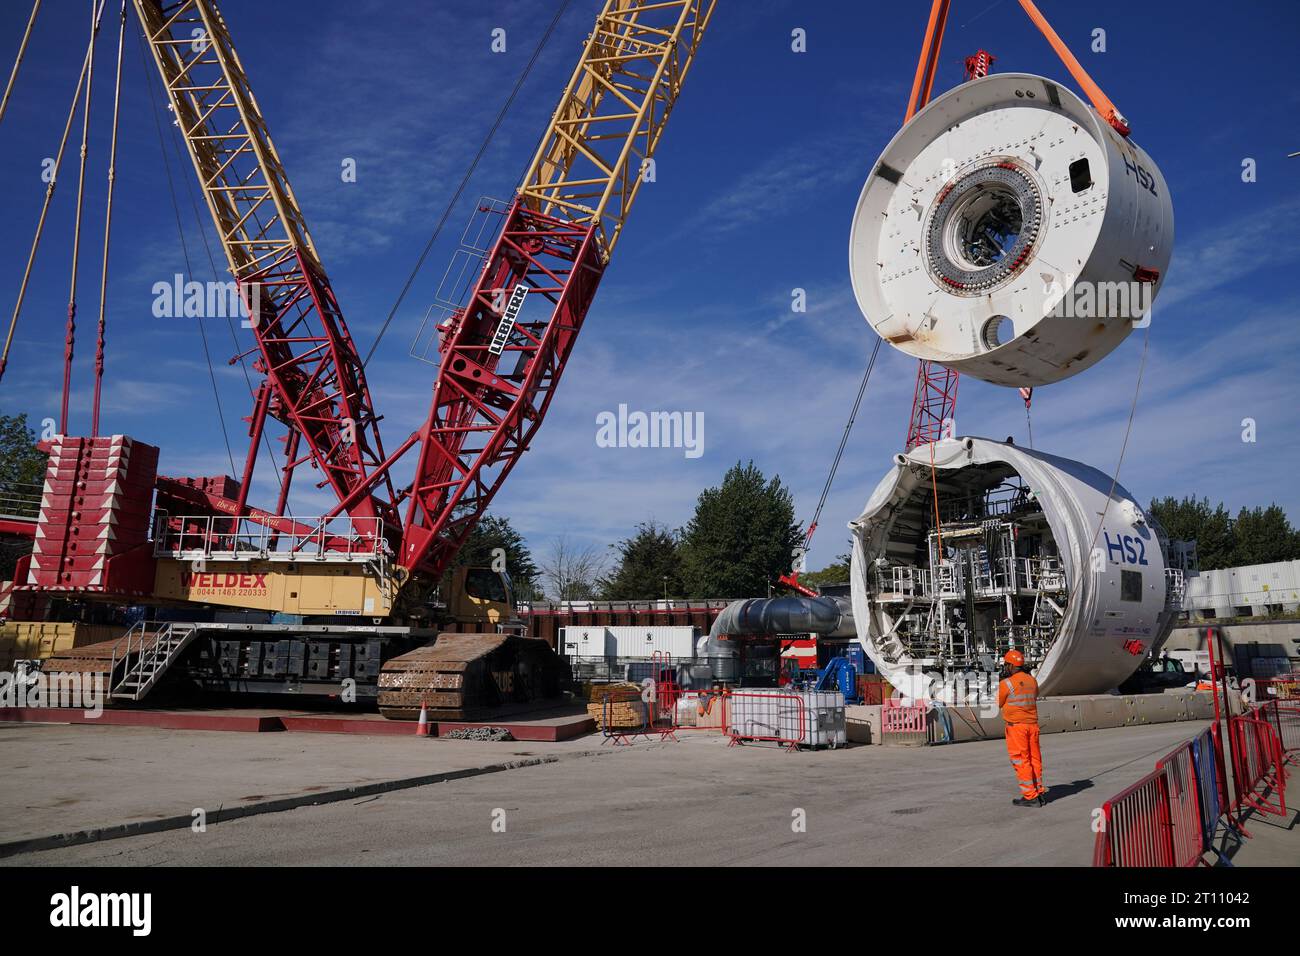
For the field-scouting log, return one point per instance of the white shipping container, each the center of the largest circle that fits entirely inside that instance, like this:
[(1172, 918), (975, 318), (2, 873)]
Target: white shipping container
[(1254, 586), (585, 640), (637, 641)]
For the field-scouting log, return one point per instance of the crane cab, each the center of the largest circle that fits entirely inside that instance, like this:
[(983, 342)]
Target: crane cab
[(481, 596)]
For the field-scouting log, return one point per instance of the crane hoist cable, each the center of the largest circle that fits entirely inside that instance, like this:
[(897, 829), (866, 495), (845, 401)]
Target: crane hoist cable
[(108, 225), (1027, 394), (189, 271), (70, 331), (451, 204), (844, 440), (1128, 430), (45, 209), (18, 61)]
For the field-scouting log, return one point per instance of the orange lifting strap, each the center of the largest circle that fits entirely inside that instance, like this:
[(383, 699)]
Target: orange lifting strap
[(923, 82)]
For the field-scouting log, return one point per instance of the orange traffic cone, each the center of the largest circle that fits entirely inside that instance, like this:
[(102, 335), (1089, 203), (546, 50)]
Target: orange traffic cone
[(422, 728)]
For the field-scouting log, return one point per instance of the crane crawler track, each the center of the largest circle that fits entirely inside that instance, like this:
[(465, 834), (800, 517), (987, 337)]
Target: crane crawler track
[(466, 676)]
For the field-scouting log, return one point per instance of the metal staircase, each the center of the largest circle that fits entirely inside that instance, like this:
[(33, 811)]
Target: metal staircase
[(143, 656)]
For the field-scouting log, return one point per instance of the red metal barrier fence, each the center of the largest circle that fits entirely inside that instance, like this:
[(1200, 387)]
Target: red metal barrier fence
[(1284, 715), (1259, 765), (701, 710), (1170, 816), (1186, 835), (1136, 826)]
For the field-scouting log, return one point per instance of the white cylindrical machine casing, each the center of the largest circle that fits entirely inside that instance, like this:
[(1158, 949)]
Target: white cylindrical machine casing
[(1089, 653), (1093, 248)]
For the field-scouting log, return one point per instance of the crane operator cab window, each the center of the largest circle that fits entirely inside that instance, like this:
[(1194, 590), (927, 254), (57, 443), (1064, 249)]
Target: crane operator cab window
[(484, 584)]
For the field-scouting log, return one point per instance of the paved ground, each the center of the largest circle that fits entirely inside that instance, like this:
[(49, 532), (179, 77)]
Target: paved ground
[(691, 802), (57, 778)]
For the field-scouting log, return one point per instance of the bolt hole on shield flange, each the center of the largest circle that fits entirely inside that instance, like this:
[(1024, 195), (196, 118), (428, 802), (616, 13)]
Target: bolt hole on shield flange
[(1009, 233)]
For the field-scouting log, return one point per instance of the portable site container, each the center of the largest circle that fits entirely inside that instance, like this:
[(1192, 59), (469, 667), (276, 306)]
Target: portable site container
[(585, 641), (631, 642), (675, 641)]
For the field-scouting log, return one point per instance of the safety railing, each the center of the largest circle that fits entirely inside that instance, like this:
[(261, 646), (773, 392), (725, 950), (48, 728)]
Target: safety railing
[(627, 715), (1032, 640), (666, 688), (1044, 574), (1175, 587), (1211, 792), (611, 669), (901, 582), (947, 578), (20, 499), (623, 715), (1285, 716), (1001, 576), (219, 538)]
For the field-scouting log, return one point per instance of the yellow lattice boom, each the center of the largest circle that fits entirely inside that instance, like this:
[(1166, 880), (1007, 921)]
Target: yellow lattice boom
[(590, 164), (243, 181)]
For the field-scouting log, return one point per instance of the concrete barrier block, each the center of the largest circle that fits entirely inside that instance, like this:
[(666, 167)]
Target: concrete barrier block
[(862, 723), (1100, 711), (1057, 715), (1200, 705), (1155, 709), (1180, 704), (972, 723)]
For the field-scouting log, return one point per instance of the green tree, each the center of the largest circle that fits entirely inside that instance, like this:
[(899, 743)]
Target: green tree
[(649, 566), (22, 471), (741, 538), (493, 537), (21, 462), (836, 573), (1262, 535), (1193, 519)]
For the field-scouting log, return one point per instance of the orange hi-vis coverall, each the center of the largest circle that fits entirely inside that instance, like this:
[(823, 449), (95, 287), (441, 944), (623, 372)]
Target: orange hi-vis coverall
[(1018, 700)]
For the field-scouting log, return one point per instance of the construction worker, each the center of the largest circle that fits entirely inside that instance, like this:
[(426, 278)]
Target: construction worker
[(1018, 701)]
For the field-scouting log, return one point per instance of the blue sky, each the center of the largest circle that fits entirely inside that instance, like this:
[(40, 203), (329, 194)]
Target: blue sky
[(757, 178)]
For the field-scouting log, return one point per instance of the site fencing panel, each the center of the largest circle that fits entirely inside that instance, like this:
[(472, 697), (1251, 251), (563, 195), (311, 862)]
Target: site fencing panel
[(1209, 787), (1187, 833), (1170, 817), (1136, 829), (1259, 768)]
